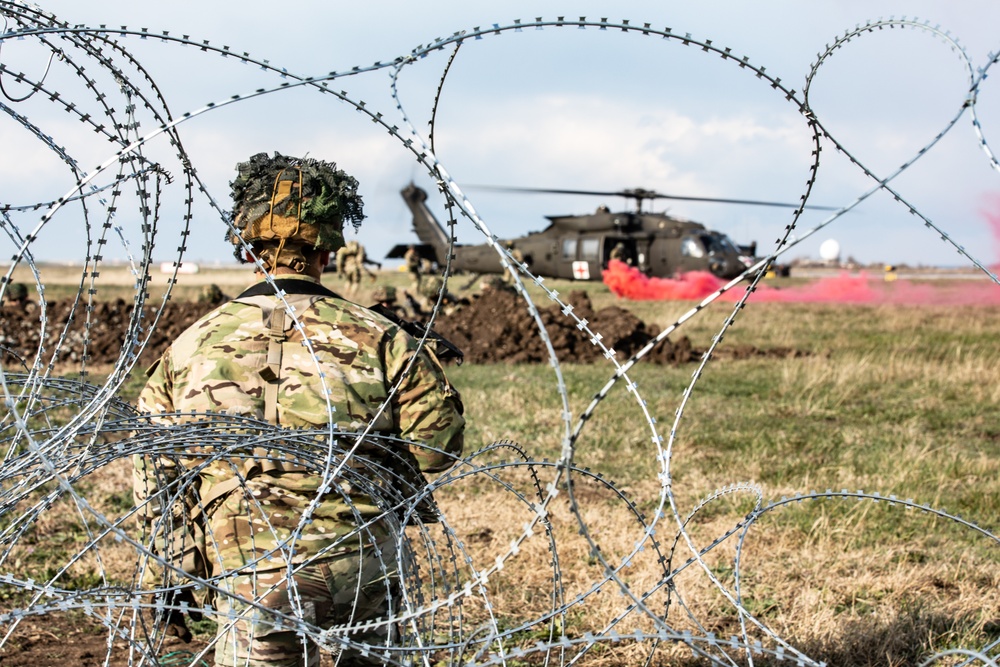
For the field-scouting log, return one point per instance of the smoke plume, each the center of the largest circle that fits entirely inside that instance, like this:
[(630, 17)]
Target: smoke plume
[(628, 282)]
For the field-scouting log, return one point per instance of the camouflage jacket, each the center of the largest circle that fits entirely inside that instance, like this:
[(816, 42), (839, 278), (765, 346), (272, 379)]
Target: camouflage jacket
[(226, 363)]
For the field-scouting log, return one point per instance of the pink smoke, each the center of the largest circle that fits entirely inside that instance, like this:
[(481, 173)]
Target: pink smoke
[(629, 283), (990, 210)]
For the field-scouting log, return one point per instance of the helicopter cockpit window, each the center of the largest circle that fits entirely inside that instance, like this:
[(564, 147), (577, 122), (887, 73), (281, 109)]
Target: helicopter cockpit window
[(717, 243), (692, 247), (725, 243), (589, 249), (569, 248)]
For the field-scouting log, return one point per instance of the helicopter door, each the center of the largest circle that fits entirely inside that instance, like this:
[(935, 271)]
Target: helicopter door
[(664, 256), (622, 249), (567, 263), (588, 264)]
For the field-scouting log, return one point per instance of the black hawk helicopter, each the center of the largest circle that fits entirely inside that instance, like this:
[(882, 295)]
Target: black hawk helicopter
[(578, 247)]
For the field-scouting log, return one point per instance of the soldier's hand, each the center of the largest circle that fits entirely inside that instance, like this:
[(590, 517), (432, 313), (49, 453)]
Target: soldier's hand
[(173, 617)]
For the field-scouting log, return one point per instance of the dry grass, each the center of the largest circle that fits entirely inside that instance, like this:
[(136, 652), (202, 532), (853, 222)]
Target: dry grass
[(899, 400)]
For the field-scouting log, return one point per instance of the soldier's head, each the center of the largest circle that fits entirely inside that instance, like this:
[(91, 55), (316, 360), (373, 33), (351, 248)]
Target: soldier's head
[(491, 283), (291, 211), (17, 293), (211, 294), (384, 294)]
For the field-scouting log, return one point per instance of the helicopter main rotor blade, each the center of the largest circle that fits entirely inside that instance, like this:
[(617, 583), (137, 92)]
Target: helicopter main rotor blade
[(554, 191), (752, 202), (640, 194)]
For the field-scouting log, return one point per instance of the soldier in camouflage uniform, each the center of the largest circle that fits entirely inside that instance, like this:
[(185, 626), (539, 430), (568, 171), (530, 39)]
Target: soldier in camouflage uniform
[(386, 298), (261, 524), (351, 260), (412, 260), (517, 256)]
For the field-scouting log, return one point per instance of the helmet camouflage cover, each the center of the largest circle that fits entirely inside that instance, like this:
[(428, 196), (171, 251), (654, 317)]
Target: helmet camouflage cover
[(384, 293), (17, 291), (293, 203)]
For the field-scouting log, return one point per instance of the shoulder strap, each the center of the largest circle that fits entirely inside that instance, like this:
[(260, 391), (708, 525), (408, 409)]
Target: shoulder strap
[(290, 286), (272, 372), (276, 326)]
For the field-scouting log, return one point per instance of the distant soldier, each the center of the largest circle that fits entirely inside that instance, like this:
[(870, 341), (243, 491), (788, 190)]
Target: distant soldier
[(385, 298), (493, 283), (350, 263), (211, 295), (412, 259), (516, 255), (423, 300), (17, 295), (361, 259), (620, 253), (429, 297)]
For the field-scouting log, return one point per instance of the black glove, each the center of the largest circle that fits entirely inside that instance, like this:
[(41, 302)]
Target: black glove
[(173, 617)]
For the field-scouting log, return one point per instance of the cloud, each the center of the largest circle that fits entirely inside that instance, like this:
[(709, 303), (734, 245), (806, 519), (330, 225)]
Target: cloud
[(591, 140)]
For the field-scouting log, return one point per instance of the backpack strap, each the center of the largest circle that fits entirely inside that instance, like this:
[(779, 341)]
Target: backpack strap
[(276, 323), (272, 371)]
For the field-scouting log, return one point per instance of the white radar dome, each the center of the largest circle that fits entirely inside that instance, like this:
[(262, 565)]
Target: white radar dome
[(829, 250)]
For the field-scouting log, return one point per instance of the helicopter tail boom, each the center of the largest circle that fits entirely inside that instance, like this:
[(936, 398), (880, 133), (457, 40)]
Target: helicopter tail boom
[(428, 229)]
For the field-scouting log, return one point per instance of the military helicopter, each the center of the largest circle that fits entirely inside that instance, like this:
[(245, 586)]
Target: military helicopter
[(578, 247)]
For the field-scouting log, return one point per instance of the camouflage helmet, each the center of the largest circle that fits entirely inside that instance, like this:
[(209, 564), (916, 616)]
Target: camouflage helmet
[(17, 292), (289, 204), (384, 293), (211, 294)]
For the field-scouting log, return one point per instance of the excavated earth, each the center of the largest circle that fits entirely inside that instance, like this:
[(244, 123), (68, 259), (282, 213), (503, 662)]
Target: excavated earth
[(494, 327), (97, 336)]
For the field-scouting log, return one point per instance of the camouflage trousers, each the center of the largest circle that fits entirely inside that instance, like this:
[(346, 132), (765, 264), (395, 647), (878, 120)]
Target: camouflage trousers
[(336, 591)]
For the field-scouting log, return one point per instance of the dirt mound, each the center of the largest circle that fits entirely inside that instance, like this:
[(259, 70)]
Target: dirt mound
[(100, 339), (496, 327)]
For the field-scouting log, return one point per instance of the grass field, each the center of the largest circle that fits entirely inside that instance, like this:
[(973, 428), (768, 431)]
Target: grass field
[(897, 400), (900, 401)]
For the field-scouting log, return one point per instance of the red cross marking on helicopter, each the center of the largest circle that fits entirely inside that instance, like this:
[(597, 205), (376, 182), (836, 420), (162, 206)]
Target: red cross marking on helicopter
[(581, 270)]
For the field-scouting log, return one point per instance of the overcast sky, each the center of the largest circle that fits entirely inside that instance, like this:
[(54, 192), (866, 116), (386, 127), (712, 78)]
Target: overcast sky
[(553, 108)]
